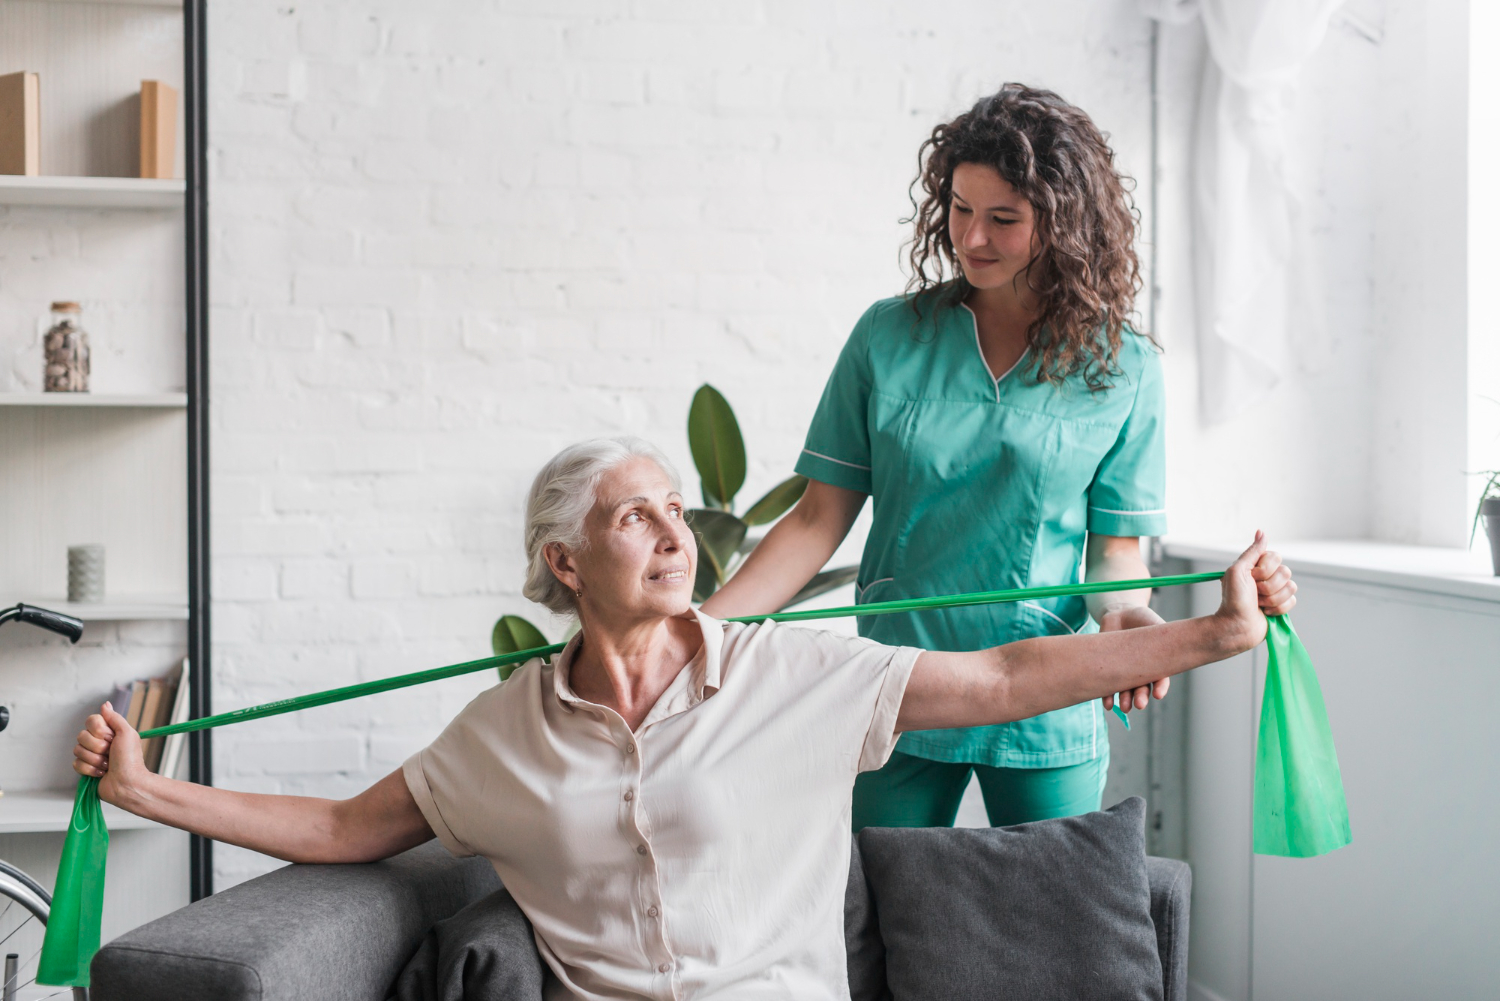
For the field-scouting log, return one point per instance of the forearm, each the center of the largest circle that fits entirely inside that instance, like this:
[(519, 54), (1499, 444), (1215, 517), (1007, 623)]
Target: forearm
[(792, 552), (1114, 558), (1038, 675), (1029, 677), (292, 828)]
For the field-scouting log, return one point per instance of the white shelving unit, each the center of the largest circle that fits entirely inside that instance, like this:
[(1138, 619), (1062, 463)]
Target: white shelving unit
[(49, 811), (92, 192), (106, 467), (167, 401), (148, 608)]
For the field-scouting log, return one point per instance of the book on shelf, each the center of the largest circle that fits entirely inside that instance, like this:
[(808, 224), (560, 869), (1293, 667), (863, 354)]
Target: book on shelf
[(153, 702), (137, 703), (172, 755), (156, 693), (120, 699)]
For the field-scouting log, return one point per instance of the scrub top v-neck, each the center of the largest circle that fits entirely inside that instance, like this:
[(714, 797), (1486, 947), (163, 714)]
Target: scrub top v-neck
[(983, 482)]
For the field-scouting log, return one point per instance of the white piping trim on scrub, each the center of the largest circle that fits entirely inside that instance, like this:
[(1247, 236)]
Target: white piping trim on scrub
[(862, 590), (1107, 510), (980, 348), (851, 465), (1054, 615)]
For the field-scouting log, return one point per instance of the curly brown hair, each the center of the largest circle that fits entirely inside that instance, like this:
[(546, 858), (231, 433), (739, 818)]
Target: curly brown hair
[(1085, 272)]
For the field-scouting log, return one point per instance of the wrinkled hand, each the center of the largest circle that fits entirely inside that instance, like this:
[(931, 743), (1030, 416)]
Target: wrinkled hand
[(1256, 585), (1132, 617), (109, 749)]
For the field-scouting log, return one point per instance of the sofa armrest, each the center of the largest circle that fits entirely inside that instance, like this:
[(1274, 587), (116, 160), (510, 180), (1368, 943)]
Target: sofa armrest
[(305, 931), (1171, 899)]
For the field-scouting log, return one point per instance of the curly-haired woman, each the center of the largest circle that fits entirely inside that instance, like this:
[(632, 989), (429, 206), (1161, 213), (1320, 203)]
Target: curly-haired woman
[(1008, 423)]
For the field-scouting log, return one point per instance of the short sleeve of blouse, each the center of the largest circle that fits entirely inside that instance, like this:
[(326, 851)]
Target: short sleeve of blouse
[(1128, 494), (837, 450)]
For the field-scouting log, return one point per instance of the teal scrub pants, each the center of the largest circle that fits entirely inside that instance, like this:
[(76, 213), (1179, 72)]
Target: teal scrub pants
[(915, 792)]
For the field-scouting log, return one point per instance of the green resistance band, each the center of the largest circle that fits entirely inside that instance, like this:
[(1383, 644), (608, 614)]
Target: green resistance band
[(522, 656), (1299, 794)]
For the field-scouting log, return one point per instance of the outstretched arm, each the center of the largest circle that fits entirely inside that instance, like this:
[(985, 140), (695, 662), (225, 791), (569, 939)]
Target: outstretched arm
[(1029, 677), (380, 822)]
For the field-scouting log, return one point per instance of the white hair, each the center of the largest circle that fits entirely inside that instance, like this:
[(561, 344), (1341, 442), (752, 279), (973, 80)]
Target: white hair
[(561, 497)]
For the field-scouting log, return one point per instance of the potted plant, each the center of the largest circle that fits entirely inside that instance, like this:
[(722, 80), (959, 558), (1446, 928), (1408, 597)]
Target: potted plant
[(724, 538), (1488, 511)]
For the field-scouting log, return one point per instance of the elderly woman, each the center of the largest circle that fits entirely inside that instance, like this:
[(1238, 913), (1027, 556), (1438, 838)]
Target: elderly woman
[(669, 801)]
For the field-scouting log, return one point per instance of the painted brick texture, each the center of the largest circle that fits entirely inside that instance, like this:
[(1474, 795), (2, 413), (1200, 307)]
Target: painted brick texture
[(450, 238)]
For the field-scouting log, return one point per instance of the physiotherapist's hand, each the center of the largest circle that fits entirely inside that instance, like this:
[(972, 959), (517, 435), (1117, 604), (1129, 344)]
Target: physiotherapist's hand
[(1126, 616)]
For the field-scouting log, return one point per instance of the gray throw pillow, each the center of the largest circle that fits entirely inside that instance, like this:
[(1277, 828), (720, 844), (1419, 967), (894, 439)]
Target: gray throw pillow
[(485, 952), (1054, 909), (865, 951)]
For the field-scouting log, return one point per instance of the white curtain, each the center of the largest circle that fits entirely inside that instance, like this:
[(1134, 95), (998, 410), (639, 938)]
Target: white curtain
[(1257, 303)]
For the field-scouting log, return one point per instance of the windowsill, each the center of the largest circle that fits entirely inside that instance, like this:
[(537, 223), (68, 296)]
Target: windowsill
[(1456, 572)]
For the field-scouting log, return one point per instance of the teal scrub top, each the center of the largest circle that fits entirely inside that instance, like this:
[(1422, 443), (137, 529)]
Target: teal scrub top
[(982, 483)]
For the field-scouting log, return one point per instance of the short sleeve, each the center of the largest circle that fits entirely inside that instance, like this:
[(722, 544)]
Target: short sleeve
[(1128, 494), (837, 450), (445, 765)]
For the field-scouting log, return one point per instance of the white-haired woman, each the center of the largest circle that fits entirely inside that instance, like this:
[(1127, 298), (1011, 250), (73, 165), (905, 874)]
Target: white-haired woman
[(668, 801)]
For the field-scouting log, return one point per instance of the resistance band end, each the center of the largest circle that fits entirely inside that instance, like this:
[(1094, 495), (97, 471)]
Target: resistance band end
[(1121, 713)]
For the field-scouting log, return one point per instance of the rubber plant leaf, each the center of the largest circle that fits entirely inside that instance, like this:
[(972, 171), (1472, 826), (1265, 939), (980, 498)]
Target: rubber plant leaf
[(513, 633), (777, 501), (719, 535), (718, 447), (1300, 810), (823, 583)]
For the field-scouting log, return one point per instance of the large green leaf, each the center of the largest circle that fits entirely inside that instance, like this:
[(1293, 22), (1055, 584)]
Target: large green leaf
[(823, 583), (717, 445), (719, 535), (709, 574), (512, 634), (777, 501)]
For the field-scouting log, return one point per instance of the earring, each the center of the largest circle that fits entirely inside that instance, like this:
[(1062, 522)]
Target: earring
[(578, 593)]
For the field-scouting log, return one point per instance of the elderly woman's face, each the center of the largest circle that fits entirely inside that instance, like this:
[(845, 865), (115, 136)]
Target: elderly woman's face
[(640, 557)]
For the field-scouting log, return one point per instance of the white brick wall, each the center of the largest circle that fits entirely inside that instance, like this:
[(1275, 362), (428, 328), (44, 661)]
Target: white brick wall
[(450, 238)]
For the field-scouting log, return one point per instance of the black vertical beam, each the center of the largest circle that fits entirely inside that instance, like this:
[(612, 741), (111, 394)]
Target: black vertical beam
[(195, 113)]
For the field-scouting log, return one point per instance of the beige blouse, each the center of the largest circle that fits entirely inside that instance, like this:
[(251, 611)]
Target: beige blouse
[(704, 855)]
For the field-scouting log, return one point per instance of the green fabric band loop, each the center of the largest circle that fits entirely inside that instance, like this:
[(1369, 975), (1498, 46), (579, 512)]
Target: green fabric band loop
[(1299, 794)]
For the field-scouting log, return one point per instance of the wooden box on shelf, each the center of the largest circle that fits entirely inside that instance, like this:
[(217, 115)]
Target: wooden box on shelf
[(20, 124)]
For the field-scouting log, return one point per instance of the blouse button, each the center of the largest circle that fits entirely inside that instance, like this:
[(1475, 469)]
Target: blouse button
[(629, 795), (652, 912), (629, 748), (640, 849), (664, 968)]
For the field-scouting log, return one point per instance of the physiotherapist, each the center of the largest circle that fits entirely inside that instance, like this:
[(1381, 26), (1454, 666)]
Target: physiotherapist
[(1008, 423)]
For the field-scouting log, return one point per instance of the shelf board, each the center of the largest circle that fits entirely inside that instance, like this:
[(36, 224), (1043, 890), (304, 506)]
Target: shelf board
[(92, 192), (137, 400), (38, 811), (126, 609)]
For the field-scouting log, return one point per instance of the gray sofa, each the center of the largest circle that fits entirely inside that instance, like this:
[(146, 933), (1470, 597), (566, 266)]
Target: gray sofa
[(346, 931)]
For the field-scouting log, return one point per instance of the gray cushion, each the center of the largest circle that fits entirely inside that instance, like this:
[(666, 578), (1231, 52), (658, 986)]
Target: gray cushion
[(1055, 909), (862, 937), (485, 952), (304, 931)]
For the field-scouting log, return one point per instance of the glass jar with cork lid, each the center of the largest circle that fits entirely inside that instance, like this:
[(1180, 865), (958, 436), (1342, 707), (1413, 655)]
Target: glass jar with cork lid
[(67, 351)]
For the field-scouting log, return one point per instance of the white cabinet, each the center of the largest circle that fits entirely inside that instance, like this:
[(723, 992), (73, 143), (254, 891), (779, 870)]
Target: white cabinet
[(1407, 647)]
